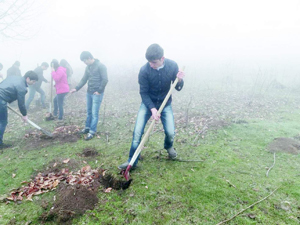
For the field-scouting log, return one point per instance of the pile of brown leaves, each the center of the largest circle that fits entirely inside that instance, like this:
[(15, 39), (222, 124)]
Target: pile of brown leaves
[(43, 183), (71, 129)]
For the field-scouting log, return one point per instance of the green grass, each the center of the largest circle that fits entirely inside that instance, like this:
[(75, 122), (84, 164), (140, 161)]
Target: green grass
[(173, 192)]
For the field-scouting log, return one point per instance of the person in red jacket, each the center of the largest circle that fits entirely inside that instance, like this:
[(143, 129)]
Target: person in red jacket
[(59, 75)]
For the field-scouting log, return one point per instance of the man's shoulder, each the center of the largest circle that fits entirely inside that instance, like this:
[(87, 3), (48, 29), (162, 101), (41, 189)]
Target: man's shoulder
[(38, 69), (99, 64), (170, 62), (145, 68)]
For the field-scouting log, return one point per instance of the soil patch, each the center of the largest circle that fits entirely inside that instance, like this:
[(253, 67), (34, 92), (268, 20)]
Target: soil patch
[(62, 134), (89, 152), (71, 201), (287, 145)]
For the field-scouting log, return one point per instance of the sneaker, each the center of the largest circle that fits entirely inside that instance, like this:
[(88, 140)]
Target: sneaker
[(125, 165), (89, 137), (84, 131), (2, 146), (172, 153)]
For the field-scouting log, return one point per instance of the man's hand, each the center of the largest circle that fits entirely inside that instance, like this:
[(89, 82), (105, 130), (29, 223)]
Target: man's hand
[(155, 115), (25, 118), (73, 90), (96, 93), (180, 75)]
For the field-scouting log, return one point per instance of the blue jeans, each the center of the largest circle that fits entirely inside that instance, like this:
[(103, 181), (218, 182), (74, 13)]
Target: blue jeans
[(3, 118), (143, 116), (59, 105), (32, 91), (93, 103)]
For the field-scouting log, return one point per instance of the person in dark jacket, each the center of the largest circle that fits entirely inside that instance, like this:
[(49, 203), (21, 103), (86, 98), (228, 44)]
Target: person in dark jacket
[(37, 86), (14, 70), (96, 76), (11, 89), (155, 78)]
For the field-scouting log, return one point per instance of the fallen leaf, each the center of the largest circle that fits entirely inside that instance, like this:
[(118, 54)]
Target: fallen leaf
[(108, 190), (55, 164), (13, 175), (66, 160)]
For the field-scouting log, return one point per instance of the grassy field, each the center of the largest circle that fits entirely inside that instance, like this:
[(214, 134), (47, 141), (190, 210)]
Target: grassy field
[(222, 135)]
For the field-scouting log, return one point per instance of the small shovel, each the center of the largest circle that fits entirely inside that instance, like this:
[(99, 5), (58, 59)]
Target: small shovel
[(32, 123), (145, 137)]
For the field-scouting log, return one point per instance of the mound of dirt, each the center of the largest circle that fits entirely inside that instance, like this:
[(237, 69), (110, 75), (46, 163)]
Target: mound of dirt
[(71, 201), (287, 145), (89, 152)]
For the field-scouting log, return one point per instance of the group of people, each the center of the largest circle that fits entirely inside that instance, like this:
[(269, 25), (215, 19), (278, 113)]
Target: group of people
[(154, 79)]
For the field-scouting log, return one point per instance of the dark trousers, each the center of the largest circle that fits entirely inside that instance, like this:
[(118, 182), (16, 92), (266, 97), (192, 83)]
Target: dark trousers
[(3, 118), (59, 105)]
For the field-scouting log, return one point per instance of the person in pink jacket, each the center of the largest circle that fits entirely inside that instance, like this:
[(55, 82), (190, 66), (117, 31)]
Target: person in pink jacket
[(59, 75)]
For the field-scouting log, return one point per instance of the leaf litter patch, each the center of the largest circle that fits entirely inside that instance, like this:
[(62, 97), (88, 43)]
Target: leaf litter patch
[(76, 191), (287, 145), (62, 134)]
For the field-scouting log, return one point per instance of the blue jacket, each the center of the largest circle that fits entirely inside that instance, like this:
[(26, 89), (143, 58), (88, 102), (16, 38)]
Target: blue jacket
[(14, 88), (155, 84)]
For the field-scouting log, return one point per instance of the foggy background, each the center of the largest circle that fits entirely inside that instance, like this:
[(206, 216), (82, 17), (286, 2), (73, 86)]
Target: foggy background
[(214, 40)]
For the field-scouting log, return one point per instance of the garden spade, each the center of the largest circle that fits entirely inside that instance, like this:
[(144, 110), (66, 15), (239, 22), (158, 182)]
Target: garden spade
[(145, 137), (32, 123)]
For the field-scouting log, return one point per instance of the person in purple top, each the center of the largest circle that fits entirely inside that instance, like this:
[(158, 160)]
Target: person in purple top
[(59, 75)]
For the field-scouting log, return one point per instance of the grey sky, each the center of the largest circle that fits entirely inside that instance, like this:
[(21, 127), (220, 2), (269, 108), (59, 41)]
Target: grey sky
[(254, 33)]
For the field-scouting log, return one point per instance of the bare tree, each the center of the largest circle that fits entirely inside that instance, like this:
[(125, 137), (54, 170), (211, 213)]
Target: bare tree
[(16, 18)]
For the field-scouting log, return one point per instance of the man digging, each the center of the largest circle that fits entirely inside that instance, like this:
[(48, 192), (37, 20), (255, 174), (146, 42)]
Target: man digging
[(155, 78), (11, 89)]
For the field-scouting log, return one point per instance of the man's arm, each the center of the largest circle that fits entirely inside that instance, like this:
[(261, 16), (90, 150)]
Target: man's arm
[(104, 80), (82, 81), (144, 90), (21, 102)]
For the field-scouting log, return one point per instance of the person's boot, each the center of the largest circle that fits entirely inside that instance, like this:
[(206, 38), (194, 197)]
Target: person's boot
[(172, 153), (89, 137), (125, 165), (84, 131)]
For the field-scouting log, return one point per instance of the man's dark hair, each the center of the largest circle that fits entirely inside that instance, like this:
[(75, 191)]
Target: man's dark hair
[(1, 66), (32, 75), (86, 55), (17, 63), (45, 64), (154, 52), (55, 64)]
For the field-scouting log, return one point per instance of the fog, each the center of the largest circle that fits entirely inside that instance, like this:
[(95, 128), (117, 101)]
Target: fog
[(213, 39)]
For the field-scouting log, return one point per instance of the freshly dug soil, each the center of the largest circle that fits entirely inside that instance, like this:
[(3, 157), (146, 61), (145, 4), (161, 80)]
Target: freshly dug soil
[(283, 144), (71, 201)]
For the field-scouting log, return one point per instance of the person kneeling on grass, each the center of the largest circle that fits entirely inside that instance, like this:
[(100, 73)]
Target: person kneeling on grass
[(11, 89), (155, 78), (96, 76)]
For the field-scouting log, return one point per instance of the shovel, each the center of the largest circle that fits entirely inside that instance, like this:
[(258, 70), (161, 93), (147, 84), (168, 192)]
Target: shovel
[(145, 137), (32, 123)]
